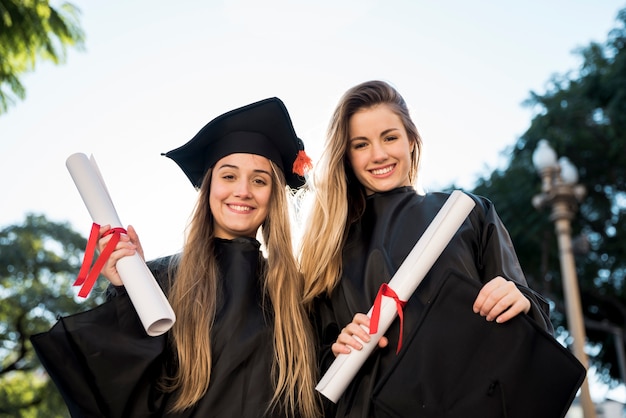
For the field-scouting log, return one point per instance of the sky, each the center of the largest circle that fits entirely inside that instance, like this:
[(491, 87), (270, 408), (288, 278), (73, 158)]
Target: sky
[(151, 75)]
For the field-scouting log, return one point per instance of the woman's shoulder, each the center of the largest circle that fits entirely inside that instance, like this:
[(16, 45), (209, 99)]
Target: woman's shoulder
[(482, 202)]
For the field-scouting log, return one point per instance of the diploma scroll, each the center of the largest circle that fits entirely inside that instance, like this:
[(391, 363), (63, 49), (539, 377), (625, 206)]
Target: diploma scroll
[(404, 282), (151, 305)]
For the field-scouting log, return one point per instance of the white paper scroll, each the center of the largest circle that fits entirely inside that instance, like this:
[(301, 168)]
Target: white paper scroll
[(409, 275), (151, 305)]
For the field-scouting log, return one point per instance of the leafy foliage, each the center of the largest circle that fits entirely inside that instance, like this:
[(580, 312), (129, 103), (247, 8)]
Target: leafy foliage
[(583, 116), (31, 30), (39, 261)]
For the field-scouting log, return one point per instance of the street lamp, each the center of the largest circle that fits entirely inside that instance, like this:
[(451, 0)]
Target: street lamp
[(560, 191)]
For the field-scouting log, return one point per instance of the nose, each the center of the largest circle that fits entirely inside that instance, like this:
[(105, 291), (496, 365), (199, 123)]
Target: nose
[(379, 153), (242, 189)]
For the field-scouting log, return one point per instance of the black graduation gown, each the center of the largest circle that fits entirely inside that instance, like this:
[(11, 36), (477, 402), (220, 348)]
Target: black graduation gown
[(418, 381), (105, 365)]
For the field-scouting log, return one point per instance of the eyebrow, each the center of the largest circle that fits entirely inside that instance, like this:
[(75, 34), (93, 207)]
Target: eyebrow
[(383, 133), (237, 168)]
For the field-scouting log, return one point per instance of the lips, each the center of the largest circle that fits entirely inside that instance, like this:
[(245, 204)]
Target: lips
[(383, 170), (240, 208)]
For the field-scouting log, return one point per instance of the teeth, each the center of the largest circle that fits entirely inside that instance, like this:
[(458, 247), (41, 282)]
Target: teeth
[(380, 171), (240, 208)]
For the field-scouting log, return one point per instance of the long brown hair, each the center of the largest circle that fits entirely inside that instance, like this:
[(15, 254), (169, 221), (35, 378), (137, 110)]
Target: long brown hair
[(339, 197), (193, 298)]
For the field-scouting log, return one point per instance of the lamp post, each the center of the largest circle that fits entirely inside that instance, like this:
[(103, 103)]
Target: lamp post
[(560, 191)]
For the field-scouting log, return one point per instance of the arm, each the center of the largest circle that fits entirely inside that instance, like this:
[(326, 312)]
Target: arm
[(497, 260)]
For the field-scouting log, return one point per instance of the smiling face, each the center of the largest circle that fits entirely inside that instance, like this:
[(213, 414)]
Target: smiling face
[(379, 150), (241, 186)]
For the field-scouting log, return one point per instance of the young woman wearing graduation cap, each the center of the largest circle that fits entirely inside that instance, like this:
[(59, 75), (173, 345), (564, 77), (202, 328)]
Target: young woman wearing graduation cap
[(241, 345), (365, 219)]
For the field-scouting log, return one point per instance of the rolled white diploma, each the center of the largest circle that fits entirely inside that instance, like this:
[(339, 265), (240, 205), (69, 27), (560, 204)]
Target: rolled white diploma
[(409, 275), (151, 305)]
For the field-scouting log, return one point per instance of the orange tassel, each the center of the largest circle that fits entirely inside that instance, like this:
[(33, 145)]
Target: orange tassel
[(302, 164)]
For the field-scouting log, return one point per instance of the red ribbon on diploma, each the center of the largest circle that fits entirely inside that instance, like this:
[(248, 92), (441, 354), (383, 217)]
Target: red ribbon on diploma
[(87, 278), (385, 290)]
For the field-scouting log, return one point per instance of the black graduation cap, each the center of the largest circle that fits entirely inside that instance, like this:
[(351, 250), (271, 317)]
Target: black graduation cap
[(263, 128)]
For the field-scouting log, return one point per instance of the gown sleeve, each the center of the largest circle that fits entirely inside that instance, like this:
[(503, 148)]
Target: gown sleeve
[(498, 258), (102, 361)]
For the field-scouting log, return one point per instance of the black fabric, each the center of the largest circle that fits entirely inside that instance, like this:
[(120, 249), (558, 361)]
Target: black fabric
[(463, 366), (376, 246), (105, 365), (101, 360)]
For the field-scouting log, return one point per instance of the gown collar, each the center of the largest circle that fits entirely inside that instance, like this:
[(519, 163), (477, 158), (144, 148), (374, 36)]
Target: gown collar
[(243, 243), (397, 190)]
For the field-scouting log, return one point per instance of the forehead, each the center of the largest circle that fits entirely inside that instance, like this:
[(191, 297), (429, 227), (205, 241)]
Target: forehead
[(377, 118), (245, 161)]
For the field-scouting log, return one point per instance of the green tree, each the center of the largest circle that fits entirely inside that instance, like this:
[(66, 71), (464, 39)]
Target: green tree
[(583, 116), (39, 260), (32, 30)]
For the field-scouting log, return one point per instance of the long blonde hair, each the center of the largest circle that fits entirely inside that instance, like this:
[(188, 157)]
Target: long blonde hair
[(339, 197), (193, 298)]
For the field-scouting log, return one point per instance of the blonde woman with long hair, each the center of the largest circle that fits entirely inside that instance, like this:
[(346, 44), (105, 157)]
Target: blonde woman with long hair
[(365, 219), (242, 344)]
